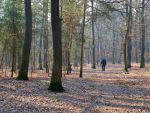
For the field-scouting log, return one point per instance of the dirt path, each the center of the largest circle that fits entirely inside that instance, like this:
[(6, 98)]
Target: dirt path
[(98, 92)]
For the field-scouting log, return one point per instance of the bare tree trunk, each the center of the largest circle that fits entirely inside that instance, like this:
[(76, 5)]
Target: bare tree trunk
[(98, 48), (34, 49), (142, 63), (82, 41), (125, 40), (3, 53), (130, 35), (93, 36), (136, 39), (56, 84), (89, 53), (119, 60), (41, 54), (13, 69), (136, 52), (14, 35), (113, 51), (125, 55), (23, 72), (45, 4)]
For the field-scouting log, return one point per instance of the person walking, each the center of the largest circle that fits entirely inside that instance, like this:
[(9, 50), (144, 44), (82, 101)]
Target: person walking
[(103, 64)]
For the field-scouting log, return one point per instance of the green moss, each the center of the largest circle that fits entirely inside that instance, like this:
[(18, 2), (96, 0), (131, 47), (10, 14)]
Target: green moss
[(22, 76), (142, 65), (125, 64), (142, 62), (56, 85), (126, 68)]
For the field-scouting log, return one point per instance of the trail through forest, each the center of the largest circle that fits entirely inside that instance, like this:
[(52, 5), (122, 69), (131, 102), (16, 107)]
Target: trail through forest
[(98, 92)]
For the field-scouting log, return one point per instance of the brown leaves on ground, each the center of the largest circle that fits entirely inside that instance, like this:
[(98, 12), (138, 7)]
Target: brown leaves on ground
[(111, 91)]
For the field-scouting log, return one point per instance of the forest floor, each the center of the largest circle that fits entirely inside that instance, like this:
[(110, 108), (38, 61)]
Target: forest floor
[(111, 91)]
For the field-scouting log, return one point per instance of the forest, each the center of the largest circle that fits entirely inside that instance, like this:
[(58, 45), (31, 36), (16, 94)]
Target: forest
[(74, 56)]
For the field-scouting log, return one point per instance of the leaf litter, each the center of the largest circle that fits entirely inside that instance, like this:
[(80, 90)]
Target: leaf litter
[(97, 92)]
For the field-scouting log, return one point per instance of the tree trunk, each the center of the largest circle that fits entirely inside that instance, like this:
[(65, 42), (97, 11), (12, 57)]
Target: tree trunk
[(82, 41), (13, 68), (14, 36), (119, 60), (34, 48), (56, 84), (69, 48), (93, 36), (136, 52), (23, 72), (130, 34), (45, 4), (125, 40), (113, 51), (125, 56), (3, 54), (98, 48), (142, 63), (136, 39), (41, 44)]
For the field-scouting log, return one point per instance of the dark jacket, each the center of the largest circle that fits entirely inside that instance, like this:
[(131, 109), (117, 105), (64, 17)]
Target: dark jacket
[(103, 62)]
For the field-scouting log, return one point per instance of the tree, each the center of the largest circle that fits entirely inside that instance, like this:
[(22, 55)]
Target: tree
[(56, 83), (126, 39), (82, 40), (23, 72), (142, 63), (129, 40), (93, 36), (14, 35), (11, 21), (113, 51), (71, 15), (43, 62), (45, 4)]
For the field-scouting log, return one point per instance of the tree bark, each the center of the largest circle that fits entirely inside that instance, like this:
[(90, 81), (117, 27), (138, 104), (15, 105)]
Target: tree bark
[(113, 51), (82, 41), (14, 36), (56, 83), (45, 4), (142, 63), (130, 34), (41, 54), (125, 40), (23, 72), (93, 36), (98, 41)]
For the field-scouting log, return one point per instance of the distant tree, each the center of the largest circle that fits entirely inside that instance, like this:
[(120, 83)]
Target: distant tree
[(43, 35), (56, 83), (71, 15), (113, 51), (126, 39), (129, 45), (142, 63), (93, 36), (23, 72), (11, 21), (45, 4), (82, 40)]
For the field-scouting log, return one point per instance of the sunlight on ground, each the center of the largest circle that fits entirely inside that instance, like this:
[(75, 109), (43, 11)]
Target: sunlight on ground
[(111, 91)]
